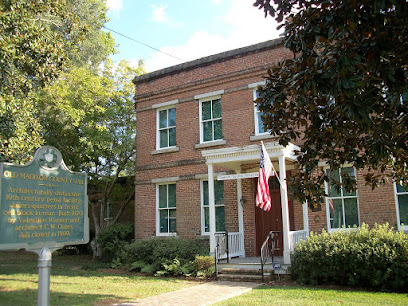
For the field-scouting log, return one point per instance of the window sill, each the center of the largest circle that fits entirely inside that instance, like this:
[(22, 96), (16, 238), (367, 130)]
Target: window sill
[(210, 144), (261, 137), (166, 150), (170, 235)]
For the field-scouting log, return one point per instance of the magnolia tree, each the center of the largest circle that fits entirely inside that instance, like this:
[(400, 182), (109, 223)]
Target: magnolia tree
[(343, 94)]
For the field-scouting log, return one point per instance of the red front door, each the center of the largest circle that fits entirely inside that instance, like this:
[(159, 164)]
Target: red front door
[(271, 220)]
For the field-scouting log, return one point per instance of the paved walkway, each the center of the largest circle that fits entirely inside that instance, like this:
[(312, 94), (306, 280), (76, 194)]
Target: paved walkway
[(204, 294)]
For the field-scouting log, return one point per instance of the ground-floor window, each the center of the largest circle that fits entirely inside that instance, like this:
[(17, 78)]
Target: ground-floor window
[(342, 206), (402, 205), (166, 209), (219, 207)]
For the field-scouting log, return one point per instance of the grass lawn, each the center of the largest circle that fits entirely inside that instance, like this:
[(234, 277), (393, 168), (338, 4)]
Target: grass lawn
[(303, 295), (72, 281)]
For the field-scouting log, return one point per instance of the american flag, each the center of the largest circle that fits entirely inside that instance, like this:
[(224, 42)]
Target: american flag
[(263, 198)]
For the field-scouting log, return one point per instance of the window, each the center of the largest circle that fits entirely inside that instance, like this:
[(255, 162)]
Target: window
[(166, 128), (259, 126), (210, 120), (166, 209), (402, 205), (342, 206), (219, 207)]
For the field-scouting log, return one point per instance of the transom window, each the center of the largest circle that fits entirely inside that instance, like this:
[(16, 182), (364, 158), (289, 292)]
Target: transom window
[(166, 209), (219, 207), (166, 128), (341, 206), (211, 120), (402, 205), (259, 126)]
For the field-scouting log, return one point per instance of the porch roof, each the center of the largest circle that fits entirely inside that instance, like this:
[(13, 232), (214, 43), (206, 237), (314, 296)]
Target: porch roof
[(233, 157)]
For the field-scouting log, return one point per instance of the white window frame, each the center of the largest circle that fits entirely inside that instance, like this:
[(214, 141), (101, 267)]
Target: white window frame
[(158, 209), (403, 227), (201, 101), (342, 197), (158, 129), (203, 231)]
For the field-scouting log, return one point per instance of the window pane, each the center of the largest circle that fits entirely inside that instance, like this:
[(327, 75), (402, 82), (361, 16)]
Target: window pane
[(206, 110), (172, 225), (403, 208), (260, 123), (172, 117), (206, 219), (163, 119), (172, 195), (334, 175), (205, 193), (336, 217), (207, 130), (163, 221), (217, 129), (162, 196), (219, 219), (163, 139), (172, 137), (172, 220), (219, 192), (350, 172), (216, 109), (401, 188), (351, 212)]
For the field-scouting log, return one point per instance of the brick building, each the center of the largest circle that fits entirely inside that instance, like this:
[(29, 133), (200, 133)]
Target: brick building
[(198, 149)]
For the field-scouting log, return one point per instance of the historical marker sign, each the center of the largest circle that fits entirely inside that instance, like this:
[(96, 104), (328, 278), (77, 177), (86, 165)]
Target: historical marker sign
[(42, 203)]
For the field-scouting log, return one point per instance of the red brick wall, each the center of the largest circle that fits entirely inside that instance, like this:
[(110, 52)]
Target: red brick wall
[(232, 76)]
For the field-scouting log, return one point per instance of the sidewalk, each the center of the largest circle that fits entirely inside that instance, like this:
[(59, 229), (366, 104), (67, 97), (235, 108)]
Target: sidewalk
[(204, 294)]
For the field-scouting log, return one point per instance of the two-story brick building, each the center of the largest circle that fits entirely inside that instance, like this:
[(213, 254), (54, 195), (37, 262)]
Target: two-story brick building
[(198, 149)]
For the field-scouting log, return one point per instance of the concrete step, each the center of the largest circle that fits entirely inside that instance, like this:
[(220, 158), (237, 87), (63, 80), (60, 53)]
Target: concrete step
[(242, 277), (243, 271)]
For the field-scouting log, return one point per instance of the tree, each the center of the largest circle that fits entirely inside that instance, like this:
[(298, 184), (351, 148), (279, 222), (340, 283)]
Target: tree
[(38, 40), (90, 117), (343, 95)]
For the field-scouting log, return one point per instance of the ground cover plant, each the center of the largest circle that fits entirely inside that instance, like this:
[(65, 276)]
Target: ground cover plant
[(77, 280), (374, 258)]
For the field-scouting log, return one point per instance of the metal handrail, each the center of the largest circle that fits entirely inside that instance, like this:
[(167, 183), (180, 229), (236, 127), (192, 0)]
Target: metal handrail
[(221, 247), (267, 249)]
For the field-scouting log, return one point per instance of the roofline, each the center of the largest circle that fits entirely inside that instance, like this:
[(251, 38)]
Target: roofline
[(204, 61)]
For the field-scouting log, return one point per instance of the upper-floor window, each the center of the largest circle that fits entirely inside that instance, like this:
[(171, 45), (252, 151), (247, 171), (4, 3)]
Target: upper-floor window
[(219, 207), (259, 126), (166, 128), (210, 119), (166, 209), (401, 196), (341, 206)]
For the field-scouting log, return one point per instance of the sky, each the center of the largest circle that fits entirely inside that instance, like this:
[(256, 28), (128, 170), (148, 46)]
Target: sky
[(184, 29)]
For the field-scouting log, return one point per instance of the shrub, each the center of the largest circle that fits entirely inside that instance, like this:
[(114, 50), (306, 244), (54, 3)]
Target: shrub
[(167, 254), (113, 240), (375, 259)]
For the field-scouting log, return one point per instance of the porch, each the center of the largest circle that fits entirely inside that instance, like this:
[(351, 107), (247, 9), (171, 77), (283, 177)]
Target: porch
[(244, 163)]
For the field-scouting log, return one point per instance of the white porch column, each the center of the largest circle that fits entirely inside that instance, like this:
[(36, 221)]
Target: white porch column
[(305, 217), (240, 213), (285, 210), (211, 205)]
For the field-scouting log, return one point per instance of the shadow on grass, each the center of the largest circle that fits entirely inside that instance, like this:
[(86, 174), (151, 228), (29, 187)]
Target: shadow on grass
[(29, 297)]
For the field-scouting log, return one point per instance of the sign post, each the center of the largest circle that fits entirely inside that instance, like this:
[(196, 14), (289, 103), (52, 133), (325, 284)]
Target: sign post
[(43, 207)]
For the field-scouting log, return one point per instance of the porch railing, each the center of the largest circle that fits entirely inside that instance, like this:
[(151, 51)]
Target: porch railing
[(295, 237), (227, 245)]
